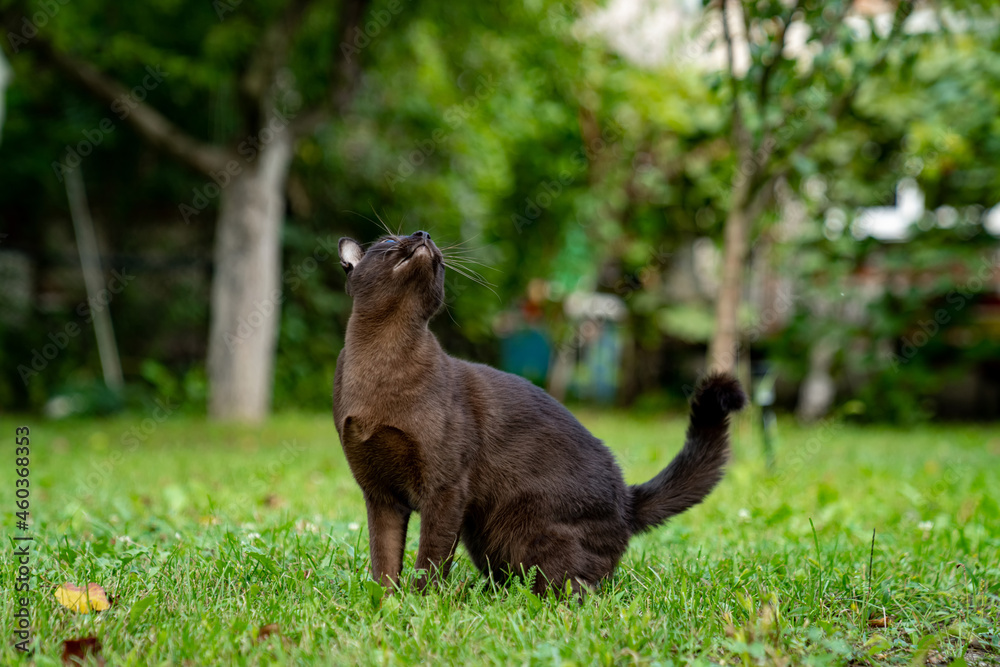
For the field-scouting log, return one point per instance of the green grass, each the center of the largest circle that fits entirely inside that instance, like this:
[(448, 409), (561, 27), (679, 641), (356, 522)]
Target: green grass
[(219, 530)]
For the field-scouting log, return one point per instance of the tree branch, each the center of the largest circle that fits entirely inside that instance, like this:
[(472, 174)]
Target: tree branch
[(827, 39), (843, 102), (762, 198), (741, 135), (769, 67), (153, 126), (767, 137)]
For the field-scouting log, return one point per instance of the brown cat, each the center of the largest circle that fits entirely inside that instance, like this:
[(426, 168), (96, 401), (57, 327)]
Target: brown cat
[(483, 455)]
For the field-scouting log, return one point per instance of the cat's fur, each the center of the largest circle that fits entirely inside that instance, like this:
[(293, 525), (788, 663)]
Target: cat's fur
[(485, 456)]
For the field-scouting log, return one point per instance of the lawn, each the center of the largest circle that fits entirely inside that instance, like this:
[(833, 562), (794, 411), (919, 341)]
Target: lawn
[(203, 534)]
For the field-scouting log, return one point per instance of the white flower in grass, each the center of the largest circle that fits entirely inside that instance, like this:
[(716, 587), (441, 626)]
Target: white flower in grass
[(253, 536), (354, 525), (925, 526), (304, 526), (743, 514)]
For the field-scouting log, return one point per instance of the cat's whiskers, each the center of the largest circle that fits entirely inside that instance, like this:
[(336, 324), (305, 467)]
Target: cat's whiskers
[(379, 223), (464, 256), (382, 222), (470, 272), (461, 243), (469, 260), (471, 275), (464, 263)]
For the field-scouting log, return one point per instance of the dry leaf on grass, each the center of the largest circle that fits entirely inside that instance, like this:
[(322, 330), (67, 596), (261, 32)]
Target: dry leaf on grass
[(83, 600), (879, 622), (268, 630), (936, 658), (76, 651)]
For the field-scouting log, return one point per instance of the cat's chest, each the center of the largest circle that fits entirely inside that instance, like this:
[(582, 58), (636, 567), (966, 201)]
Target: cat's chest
[(385, 460), (386, 388)]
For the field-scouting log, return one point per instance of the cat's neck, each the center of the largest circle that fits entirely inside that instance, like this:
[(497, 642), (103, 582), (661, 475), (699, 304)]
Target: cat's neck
[(392, 339)]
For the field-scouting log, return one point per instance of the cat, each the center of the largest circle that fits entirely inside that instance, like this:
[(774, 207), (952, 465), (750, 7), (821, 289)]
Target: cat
[(484, 456)]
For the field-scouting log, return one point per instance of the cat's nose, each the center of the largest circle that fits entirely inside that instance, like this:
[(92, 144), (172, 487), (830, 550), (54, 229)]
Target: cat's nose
[(421, 235)]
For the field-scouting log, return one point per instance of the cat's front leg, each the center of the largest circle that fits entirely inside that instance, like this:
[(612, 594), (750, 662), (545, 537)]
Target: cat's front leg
[(441, 516), (387, 521)]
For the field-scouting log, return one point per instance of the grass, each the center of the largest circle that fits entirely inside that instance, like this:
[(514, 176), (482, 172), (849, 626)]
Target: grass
[(202, 534)]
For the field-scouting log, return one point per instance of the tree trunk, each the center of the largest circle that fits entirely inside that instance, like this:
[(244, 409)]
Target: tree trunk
[(723, 351), (246, 296), (818, 390)]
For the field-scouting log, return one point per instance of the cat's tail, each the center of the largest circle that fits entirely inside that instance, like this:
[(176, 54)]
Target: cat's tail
[(698, 467)]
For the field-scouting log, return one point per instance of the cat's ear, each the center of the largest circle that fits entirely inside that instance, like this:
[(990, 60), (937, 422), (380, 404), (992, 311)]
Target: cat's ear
[(350, 253)]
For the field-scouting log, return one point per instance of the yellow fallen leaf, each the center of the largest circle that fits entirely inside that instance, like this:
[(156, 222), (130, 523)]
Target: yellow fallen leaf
[(93, 598)]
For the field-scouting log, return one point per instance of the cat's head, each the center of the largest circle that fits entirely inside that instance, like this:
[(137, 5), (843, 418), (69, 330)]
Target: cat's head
[(397, 274)]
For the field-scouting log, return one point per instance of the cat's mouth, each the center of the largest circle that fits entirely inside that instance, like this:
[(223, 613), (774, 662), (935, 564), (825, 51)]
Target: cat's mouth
[(421, 250)]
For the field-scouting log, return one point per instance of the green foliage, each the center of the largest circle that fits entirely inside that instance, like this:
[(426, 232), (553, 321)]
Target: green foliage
[(202, 534), (527, 139), (924, 110)]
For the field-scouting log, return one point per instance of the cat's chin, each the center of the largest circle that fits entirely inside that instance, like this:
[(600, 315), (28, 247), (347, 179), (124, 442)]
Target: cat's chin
[(422, 251)]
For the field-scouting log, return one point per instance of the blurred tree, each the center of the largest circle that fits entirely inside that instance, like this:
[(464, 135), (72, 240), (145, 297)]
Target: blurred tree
[(247, 49), (906, 313), (778, 115), (517, 132)]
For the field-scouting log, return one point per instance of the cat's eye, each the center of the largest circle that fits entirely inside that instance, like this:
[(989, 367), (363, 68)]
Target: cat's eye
[(390, 240)]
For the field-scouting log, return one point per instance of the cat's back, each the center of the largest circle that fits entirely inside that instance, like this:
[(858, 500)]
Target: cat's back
[(522, 421)]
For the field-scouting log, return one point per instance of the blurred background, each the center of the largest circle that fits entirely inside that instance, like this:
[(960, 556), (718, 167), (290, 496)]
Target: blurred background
[(805, 192)]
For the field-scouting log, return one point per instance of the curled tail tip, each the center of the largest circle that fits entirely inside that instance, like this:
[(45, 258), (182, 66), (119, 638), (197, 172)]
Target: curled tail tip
[(715, 397)]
